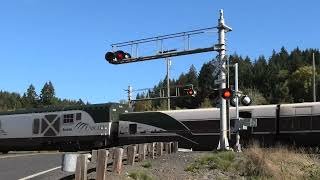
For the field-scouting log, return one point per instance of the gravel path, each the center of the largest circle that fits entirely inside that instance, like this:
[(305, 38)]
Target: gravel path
[(169, 167)]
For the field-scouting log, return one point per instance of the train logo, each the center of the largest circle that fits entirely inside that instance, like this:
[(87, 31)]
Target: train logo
[(50, 125), (83, 126)]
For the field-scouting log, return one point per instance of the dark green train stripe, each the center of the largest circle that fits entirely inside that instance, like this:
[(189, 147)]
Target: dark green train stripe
[(156, 119)]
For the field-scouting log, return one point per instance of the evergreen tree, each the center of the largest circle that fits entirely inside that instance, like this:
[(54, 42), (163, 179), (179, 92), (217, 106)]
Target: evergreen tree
[(31, 96), (260, 75), (300, 84), (192, 76), (47, 96), (206, 81)]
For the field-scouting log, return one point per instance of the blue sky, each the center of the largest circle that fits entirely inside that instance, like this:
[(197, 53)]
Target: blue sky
[(65, 41)]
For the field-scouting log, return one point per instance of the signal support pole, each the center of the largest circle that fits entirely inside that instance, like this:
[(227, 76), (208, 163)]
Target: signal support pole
[(168, 81), (314, 78), (236, 88), (129, 96), (224, 143)]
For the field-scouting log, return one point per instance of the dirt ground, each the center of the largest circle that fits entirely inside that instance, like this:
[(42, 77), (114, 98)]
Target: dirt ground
[(168, 167)]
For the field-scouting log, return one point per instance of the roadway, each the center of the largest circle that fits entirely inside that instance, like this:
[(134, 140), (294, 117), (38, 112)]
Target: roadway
[(35, 166)]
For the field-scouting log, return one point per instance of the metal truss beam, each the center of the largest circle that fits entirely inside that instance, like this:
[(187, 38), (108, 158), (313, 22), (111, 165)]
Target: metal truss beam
[(168, 54)]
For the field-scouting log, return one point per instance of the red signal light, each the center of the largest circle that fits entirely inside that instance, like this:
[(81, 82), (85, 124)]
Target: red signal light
[(119, 55), (190, 92), (226, 93)]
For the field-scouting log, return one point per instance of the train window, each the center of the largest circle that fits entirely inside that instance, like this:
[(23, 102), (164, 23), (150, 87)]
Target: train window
[(36, 126), (315, 122), (265, 125), (132, 128), (303, 123), (245, 114), (203, 126), (78, 116), (68, 118), (286, 123), (296, 123)]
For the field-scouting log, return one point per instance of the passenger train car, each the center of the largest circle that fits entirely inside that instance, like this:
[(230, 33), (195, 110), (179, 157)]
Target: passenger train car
[(103, 125), (200, 128), (62, 128)]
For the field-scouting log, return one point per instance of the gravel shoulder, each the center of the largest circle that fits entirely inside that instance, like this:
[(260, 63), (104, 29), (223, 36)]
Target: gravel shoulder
[(169, 166)]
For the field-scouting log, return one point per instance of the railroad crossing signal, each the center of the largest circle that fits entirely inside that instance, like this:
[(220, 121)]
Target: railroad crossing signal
[(157, 48), (218, 66), (226, 93), (244, 100), (117, 57), (220, 47), (191, 92)]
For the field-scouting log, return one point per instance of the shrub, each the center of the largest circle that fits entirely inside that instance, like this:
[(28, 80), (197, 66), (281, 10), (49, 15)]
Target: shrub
[(139, 175), (147, 164), (218, 160)]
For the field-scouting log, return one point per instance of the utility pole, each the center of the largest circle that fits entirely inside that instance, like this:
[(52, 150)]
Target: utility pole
[(224, 143), (168, 81), (129, 96), (314, 78)]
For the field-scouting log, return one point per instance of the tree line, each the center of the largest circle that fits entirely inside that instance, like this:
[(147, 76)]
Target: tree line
[(30, 99), (285, 77)]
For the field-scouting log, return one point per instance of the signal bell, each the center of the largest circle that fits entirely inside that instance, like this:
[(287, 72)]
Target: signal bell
[(244, 100), (117, 57)]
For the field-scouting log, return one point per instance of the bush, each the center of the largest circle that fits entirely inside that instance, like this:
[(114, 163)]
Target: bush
[(262, 163), (218, 160), (147, 164), (139, 175)]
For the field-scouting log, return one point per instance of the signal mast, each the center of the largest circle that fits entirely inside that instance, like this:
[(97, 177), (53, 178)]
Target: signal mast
[(121, 57)]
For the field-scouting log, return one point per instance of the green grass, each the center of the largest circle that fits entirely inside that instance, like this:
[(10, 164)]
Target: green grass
[(217, 160), (262, 163), (147, 164), (139, 175)]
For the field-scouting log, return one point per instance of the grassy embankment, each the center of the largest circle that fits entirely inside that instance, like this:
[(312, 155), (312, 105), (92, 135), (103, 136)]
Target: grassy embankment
[(259, 163)]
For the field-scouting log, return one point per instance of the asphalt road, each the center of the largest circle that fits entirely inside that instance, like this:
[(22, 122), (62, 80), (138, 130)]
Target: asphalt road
[(35, 166)]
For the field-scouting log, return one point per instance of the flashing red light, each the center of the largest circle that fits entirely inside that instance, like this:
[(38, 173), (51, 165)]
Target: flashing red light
[(227, 93), (190, 92), (119, 55)]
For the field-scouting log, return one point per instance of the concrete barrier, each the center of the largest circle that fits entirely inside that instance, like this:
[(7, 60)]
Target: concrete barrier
[(69, 162)]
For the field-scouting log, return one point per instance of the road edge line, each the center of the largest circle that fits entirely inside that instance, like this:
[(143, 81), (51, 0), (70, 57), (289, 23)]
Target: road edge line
[(39, 173)]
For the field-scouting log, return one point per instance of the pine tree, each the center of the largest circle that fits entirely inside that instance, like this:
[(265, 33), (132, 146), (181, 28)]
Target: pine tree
[(206, 81), (47, 95), (31, 96)]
